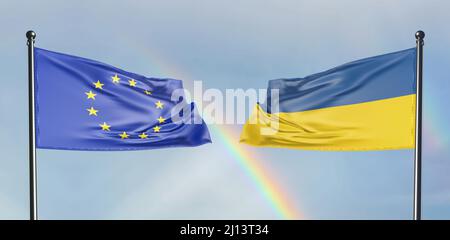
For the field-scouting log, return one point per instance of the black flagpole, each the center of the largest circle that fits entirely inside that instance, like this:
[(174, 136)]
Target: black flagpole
[(31, 35), (420, 35)]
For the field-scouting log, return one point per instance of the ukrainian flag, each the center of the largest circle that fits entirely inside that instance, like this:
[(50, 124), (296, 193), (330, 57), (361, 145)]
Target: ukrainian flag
[(367, 104)]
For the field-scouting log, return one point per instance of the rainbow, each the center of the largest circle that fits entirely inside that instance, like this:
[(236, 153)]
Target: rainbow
[(435, 129), (265, 183)]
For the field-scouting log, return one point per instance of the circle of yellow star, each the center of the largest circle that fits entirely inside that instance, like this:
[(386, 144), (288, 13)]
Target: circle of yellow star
[(124, 135), (148, 92), (161, 119), (156, 128), (92, 111), (98, 84), (143, 135), (159, 105), (105, 127), (90, 95), (115, 79), (132, 82)]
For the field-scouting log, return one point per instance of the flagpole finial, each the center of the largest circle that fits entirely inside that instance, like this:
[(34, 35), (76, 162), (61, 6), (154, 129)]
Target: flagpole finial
[(31, 35), (420, 35)]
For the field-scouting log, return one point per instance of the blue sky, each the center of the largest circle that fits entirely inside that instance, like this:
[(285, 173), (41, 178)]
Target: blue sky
[(226, 44)]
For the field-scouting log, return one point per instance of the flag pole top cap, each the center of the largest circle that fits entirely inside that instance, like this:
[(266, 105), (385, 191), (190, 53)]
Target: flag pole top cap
[(31, 34), (420, 35)]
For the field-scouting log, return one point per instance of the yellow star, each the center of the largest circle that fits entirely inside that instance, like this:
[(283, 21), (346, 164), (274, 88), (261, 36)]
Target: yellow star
[(90, 95), (148, 92), (132, 82), (159, 105), (115, 79), (98, 84), (124, 135), (156, 129), (143, 136), (161, 119), (105, 127), (92, 111)]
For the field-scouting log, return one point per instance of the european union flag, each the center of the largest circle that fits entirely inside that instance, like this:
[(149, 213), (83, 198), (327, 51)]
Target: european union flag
[(83, 104)]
